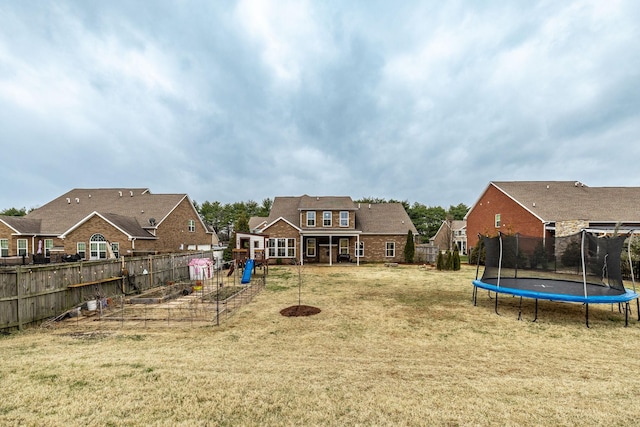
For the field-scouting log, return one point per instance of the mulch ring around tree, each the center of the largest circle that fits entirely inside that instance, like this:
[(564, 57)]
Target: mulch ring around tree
[(299, 310)]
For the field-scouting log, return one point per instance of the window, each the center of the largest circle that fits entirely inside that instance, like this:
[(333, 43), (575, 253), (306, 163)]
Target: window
[(497, 220), (311, 219), (115, 248), (360, 249), (192, 226), (390, 249), (343, 246), (282, 248), (311, 248), (48, 245), (344, 218), (326, 219), (23, 247), (97, 247), (4, 247), (81, 249)]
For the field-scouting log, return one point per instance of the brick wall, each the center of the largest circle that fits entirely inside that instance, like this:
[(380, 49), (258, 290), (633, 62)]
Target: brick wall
[(335, 220), (92, 226), (375, 247), (513, 217), (173, 233)]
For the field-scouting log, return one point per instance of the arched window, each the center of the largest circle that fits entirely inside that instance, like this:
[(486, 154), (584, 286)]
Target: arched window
[(97, 247)]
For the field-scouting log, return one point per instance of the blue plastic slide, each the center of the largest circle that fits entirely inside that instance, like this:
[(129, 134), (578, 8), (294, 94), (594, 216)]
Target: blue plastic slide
[(246, 275)]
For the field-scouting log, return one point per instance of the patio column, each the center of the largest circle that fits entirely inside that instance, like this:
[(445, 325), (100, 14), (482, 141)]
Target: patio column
[(330, 251)]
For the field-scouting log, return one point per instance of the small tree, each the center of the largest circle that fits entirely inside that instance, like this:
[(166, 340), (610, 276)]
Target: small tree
[(409, 248), (456, 258), (449, 261), (440, 261)]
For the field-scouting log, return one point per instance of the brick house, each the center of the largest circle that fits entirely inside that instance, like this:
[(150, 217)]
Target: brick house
[(547, 208), (103, 223), (451, 233), (334, 229)]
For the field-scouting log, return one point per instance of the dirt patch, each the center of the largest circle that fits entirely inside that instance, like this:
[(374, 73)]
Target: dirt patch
[(299, 310)]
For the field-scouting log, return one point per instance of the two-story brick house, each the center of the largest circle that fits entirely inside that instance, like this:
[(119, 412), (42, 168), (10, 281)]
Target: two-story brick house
[(334, 229), (551, 208), (102, 223)]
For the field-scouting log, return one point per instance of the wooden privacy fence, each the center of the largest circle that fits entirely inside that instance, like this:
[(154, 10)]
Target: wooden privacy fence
[(32, 293)]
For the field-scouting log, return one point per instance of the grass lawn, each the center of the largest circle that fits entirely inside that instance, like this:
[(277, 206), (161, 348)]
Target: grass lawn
[(391, 346)]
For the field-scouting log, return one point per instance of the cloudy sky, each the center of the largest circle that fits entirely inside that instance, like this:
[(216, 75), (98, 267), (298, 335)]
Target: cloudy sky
[(424, 101)]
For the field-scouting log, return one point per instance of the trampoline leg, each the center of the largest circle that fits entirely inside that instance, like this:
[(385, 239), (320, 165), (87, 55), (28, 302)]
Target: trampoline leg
[(587, 314), (520, 310), (474, 296), (638, 308), (496, 308), (626, 314), (536, 314)]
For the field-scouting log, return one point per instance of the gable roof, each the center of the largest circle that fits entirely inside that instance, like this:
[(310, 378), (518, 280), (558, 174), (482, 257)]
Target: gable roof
[(126, 225), (286, 208), (553, 201), (20, 224), (257, 222), (384, 218), (131, 209)]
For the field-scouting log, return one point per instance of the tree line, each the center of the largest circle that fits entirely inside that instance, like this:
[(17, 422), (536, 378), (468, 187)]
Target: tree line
[(223, 217)]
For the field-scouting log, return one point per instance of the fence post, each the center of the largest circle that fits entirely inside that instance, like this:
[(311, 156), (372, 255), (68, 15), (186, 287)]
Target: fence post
[(19, 297)]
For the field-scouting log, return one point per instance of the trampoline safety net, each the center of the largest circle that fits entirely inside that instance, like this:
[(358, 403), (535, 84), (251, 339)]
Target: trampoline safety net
[(582, 257)]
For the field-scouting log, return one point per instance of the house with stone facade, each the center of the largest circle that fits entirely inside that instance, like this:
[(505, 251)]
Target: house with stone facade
[(104, 223), (551, 208), (334, 229)]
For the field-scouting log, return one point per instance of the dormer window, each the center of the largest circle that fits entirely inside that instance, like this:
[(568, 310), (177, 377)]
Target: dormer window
[(326, 219), (311, 219)]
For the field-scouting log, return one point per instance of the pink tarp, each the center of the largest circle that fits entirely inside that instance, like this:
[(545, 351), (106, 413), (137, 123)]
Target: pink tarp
[(200, 269)]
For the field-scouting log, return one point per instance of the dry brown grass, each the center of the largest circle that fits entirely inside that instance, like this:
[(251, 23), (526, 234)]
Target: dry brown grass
[(391, 346)]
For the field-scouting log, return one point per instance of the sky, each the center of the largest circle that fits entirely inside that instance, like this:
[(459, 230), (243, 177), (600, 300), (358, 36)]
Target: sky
[(423, 101)]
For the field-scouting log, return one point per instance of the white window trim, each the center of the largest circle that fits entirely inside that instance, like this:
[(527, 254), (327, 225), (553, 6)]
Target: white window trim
[(274, 248), (324, 219), (48, 245), (25, 248), (312, 250), (359, 252), (311, 218), (393, 249), (83, 252), (192, 226), (115, 248), (343, 246), (498, 221), (4, 246), (344, 222)]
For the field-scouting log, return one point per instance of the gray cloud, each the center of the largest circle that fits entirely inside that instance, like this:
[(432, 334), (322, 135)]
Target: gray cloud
[(422, 101)]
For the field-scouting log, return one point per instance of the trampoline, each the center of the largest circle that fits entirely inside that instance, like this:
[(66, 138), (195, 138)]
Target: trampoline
[(581, 268)]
